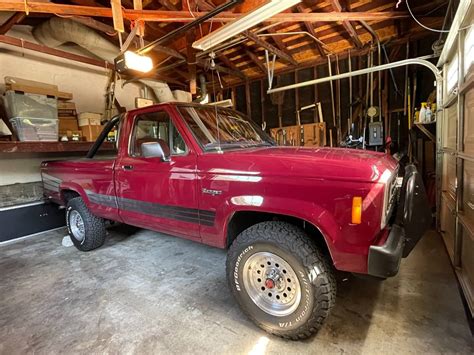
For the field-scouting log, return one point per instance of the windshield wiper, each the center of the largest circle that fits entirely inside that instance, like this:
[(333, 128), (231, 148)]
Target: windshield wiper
[(230, 144)]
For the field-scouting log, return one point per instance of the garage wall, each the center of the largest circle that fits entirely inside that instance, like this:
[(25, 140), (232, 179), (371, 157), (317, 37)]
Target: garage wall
[(86, 82)]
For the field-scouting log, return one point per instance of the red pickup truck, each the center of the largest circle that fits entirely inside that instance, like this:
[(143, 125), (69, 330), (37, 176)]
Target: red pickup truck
[(289, 216)]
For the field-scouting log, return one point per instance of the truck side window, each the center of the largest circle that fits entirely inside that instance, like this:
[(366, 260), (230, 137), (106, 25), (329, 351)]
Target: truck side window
[(156, 127)]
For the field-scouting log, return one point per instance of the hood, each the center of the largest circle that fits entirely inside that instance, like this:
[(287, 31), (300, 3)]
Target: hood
[(305, 162)]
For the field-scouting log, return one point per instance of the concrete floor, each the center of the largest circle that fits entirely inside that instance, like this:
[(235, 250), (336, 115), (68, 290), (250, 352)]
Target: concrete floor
[(143, 292)]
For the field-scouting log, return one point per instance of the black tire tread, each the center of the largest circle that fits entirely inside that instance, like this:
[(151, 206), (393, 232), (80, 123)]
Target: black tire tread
[(95, 231), (294, 240)]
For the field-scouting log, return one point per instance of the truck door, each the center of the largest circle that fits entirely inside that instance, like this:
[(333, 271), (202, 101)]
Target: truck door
[(152, 193)]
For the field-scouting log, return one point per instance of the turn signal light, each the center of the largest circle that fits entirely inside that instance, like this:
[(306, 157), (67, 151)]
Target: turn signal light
[(356, 210)]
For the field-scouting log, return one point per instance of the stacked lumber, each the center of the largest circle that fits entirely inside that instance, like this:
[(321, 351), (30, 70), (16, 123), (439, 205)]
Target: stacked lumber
[(35, 87)]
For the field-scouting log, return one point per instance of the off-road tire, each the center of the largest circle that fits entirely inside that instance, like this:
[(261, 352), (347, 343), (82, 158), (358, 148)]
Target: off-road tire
[(314, 271), (94, 226)]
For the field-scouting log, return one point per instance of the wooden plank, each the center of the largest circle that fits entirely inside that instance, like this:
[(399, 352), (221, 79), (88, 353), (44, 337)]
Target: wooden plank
[(185, 16), (310, 28), (336, 5), (205, 64), (11, 80), (117, 15), (50, 147), (247, 99), (260, 42), (278, 41), (257, 61), (191, 58), (228, 63), (55, 52), (13, 20)]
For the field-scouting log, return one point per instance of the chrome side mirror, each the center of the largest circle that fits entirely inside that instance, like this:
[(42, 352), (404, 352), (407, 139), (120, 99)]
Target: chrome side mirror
[(155, 150)]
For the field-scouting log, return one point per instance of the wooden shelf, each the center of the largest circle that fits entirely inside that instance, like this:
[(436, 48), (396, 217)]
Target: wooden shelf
[(50, 147)]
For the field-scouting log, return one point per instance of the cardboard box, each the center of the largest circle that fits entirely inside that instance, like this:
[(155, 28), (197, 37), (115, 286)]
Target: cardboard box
[(63, 105), (89, 119), (68, 124), (89, 122), (91, 132)]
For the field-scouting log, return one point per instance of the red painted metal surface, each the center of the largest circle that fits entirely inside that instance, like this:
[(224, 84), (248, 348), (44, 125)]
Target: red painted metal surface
[(313, 184)]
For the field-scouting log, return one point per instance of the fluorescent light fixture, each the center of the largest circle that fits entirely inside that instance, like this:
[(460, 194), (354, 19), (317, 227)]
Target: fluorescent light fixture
[(133, 61), (243, 23)]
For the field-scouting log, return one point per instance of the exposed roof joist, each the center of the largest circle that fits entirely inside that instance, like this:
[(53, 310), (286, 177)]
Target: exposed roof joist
[(185, 16)]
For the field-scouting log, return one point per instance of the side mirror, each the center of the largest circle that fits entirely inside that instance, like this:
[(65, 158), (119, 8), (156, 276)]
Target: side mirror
[(155, 150)]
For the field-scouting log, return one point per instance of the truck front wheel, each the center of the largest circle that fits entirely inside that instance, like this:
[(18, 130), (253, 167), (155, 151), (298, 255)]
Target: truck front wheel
[(281, 280), (87, 232)]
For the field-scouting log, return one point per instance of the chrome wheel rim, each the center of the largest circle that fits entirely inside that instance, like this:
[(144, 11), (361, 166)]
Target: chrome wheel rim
[(76, 224), (272, 284)]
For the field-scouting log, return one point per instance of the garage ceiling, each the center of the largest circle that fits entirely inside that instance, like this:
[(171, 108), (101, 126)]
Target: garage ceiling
[(302, 36)]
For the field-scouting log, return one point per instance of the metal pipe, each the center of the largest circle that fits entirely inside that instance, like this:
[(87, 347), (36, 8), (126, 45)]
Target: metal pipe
[(332, 92), (350, 90), (401, 63), (379, 62)]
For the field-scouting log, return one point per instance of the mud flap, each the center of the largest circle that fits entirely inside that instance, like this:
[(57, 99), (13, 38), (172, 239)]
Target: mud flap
[(414, 210)]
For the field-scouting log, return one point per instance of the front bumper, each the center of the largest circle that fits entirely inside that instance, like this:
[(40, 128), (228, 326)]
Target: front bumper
[(412, 220)]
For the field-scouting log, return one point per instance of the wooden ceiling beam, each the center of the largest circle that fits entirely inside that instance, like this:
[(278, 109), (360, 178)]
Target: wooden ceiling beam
[(168, 5), (336, 5), (257, 61), (12, 21), (228, 63), (54, 52), (272, 49), (203, 63), (278, 41), (185, 16), (310, 28)]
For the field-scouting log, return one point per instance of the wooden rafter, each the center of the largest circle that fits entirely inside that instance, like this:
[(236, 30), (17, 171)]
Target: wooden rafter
[(261, 43), (13, 20), (185, 16), (228, 63), (257, 61), (310, 28), (336, 5)]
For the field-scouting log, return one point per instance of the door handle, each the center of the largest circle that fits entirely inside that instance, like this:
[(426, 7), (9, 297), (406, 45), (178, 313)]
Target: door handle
[(127, 167)]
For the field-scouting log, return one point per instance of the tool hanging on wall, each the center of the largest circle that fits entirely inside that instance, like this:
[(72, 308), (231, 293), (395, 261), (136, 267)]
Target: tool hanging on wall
[(338, 98), (367, 89)]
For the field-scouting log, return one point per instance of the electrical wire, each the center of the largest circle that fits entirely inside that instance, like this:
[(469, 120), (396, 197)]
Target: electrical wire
[(429, 28), (192, 14)]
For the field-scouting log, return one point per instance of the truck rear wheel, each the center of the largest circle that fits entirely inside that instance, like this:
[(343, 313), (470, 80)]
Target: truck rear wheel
[(281, 280), (87, 232)]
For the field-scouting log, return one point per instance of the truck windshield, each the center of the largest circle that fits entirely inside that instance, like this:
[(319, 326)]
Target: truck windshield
[(220, 129)]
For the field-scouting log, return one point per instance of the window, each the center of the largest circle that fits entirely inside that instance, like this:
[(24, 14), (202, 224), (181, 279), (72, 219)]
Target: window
[(220, 129), (452, 74), (110, 133), (156, 127), (468, 50)]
